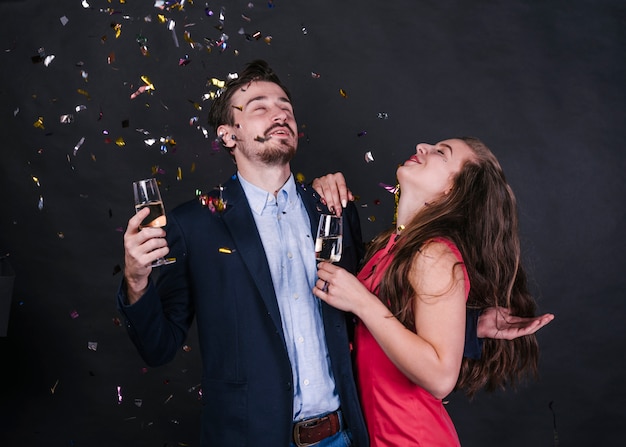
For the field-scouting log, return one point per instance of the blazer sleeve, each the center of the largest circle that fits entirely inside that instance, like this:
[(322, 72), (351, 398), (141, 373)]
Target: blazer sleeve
[(159, 322)]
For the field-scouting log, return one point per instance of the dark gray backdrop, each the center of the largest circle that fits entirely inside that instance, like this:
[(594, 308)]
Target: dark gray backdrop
[(542, 83)]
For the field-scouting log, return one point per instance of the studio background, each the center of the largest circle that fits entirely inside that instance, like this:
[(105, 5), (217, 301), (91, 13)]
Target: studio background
[(542, 83)]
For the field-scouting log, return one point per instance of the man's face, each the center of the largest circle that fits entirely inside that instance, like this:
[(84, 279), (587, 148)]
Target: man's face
[(265, 127)]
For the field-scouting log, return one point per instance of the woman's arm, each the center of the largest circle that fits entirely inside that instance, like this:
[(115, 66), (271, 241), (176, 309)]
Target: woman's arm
[(431, 357)]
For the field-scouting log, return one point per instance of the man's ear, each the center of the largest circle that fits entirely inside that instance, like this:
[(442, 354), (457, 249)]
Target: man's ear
[(225, 135)]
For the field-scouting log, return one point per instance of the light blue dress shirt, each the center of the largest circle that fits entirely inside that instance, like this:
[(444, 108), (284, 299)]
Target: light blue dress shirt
[(285, 231)]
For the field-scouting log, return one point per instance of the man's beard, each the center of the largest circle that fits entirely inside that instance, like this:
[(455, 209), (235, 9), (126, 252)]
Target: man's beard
[(274, 150), (278, 153)]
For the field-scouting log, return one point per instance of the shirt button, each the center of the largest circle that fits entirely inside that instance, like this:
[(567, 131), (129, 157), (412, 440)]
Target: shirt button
[(296, 296), (290, 255), (300, 339), (306, 381)]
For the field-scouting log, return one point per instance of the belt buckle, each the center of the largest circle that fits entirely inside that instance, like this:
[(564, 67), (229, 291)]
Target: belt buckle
[(296, 431)]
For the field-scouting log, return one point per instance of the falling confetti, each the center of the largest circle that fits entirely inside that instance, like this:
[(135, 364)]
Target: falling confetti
[(369, 157), (39, 123), (78, 145), (48, 60), (389, 188)]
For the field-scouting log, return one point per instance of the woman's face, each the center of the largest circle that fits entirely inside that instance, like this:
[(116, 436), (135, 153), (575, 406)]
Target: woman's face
[(430, 171)]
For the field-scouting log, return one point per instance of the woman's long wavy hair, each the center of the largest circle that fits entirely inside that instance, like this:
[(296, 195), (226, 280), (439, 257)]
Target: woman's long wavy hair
[(480, 216)]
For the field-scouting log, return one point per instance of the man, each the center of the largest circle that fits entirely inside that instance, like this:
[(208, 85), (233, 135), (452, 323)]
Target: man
[(276, 361)]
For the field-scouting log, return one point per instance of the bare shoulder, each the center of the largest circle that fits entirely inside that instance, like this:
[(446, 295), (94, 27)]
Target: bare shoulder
[(435, 269)]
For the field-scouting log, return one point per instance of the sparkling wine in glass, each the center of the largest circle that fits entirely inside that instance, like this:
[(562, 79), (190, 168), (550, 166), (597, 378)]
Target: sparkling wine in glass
[(147, 195), (329, 238)]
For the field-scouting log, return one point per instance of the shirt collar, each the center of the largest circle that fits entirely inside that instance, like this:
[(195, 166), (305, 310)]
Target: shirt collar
[(260, 200)]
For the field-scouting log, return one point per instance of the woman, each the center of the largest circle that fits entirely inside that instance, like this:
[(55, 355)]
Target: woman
[(456, 244)]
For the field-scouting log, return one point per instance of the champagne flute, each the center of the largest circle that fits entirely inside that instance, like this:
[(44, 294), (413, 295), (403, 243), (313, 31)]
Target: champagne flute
[(147, 195), (329, 238)]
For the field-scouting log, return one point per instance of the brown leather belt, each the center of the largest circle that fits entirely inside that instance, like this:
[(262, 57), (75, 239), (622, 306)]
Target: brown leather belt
[(311, 431)]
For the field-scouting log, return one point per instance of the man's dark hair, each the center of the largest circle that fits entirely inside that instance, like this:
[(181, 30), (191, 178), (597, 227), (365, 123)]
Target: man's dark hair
[(221, 111)]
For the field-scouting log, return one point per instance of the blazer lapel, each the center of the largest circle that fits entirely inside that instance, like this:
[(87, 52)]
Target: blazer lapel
[(313, 205), (239, 221)]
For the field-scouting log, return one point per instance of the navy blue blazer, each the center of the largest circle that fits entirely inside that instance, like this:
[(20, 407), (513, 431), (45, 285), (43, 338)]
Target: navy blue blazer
[(222, 278)]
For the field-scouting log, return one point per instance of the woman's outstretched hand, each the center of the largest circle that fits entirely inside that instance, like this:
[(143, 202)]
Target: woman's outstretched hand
[(497, 322)]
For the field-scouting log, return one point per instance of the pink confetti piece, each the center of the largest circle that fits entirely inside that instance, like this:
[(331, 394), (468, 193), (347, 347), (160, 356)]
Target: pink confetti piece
[(389, 188)]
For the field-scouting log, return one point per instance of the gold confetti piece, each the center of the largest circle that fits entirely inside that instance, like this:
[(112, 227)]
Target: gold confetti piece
[(120, 142), (193, 167), (150, 85), (84, 93), (117, 27), (161, 18), (36, 180), (54, 387), (226, 250), (187, 37), (343, 93), (218, 83), (300, 177), (268, 39), (39, 123), (179, 174), (238, 108)]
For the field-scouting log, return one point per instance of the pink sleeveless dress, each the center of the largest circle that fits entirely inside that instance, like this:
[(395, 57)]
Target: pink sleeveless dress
[(397, 411)]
